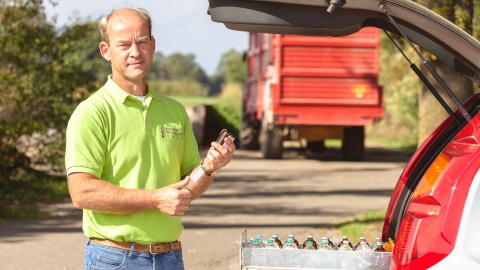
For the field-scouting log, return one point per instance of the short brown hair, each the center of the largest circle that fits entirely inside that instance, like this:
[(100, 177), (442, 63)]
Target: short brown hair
[(103, 25)]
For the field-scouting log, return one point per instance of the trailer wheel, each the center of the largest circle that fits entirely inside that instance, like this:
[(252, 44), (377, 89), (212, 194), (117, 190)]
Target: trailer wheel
[(249, 135), (353, 148), (272, 143)]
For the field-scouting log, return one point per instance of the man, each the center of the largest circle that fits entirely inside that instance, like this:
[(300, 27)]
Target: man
[(127, 150)]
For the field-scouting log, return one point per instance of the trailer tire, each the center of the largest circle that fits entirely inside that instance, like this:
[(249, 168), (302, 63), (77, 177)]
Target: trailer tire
[(272, 143), (353, 144), (249, 135)]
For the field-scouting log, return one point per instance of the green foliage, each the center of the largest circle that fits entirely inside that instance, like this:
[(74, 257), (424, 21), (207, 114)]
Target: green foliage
[(229, 108), (461, 13), (157, 70), (216, 83), (225, 113), (232, 95), (85, 55), (400, 96), (218, 117), (232, 67), (40, 84), (178, 75), (177, 67), (229, 117), (26, 190)]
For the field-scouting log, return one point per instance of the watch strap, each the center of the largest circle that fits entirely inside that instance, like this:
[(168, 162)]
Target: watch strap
[(207, 173)]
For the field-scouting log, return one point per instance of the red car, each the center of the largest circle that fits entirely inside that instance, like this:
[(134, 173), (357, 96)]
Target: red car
[(434, 211)]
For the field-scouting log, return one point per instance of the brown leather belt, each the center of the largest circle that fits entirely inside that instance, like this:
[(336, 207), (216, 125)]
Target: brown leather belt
[(153, 248)]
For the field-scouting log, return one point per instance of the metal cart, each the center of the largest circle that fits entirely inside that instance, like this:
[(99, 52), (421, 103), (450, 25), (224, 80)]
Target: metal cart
[(279, 259)]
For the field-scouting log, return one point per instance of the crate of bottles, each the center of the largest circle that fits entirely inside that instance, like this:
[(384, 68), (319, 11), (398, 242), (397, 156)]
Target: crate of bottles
[(252, 258)]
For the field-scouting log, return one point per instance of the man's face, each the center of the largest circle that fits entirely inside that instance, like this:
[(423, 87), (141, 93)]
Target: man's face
[(130, 47)]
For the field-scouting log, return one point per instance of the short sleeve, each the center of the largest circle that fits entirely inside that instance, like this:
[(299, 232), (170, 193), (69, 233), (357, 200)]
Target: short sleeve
[(86, 144)]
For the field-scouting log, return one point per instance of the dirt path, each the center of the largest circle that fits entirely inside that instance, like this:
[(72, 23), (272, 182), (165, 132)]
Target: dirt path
[(297, 195)]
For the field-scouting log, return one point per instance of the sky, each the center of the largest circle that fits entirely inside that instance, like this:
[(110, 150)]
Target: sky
[(178, 26)]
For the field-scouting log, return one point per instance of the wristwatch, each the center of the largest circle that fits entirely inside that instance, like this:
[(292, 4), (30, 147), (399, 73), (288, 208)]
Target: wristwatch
[(207, 173)]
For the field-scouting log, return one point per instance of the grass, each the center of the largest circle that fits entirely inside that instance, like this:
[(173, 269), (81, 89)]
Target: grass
[(333, 143), (368, 225)]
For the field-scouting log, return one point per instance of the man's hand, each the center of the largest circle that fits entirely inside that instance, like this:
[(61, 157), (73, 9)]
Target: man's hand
[(173, 200), (220, 154)]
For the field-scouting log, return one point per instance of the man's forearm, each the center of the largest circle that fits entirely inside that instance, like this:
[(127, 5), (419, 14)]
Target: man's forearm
[(94, 194), (198, 186)]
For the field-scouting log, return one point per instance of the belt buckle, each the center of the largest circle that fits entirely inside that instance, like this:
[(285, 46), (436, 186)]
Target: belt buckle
[(150, 248)]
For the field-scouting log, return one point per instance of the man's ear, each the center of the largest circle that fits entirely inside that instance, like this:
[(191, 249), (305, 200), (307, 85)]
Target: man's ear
[(152, 40), (105, 50)]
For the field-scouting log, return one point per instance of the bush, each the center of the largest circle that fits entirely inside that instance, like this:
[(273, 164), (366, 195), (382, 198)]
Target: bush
[(226, 113)]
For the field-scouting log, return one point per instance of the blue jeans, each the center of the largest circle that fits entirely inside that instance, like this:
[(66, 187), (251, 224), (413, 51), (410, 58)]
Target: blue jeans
[(108, 258)]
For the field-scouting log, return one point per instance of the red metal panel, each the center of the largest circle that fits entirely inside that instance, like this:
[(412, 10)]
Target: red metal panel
[(327, 115), (324, 70), (330, 90), (316, 80)]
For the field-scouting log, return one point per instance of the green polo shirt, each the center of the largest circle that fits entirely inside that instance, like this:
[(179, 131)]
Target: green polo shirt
[(135, 145)]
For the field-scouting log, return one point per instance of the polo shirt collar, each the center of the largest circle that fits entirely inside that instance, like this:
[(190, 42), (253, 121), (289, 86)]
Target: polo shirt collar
[(121, 95)]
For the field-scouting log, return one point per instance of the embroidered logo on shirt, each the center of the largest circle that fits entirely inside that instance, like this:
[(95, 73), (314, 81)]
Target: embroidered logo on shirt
[(171, 133)]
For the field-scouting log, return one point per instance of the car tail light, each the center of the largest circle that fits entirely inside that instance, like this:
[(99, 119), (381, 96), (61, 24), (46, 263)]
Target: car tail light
[(407, 172), (431, 220)]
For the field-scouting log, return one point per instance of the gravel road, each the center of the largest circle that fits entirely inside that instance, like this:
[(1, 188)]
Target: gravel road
[(299, 194)]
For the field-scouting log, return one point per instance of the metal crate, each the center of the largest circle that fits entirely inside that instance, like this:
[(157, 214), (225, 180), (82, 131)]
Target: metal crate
[(279, 259)]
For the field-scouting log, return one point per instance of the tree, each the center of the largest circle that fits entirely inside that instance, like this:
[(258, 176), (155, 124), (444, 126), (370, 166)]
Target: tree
[(86, 54), (461, 13), (41, 81), (179, 66), (157, 71), (232, 67)]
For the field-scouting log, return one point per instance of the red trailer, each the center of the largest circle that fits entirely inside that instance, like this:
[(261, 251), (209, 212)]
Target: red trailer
[(311, 89)]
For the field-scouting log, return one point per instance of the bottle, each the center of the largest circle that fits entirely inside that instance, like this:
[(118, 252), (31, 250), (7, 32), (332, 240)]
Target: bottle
[(292, 236), (256, 243), (310, 239), (290, 244), (377, 240), (309, 245), (380, 248), (330, 243), (345, 245), (260, 241), (270, 244), (194, 184), (277, 241), (249, 243), (208, 163), (345, 241), (324, 245), (363, 246)]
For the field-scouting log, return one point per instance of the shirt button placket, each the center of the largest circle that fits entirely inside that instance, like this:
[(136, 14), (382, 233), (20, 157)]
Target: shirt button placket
[(144, 114)]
